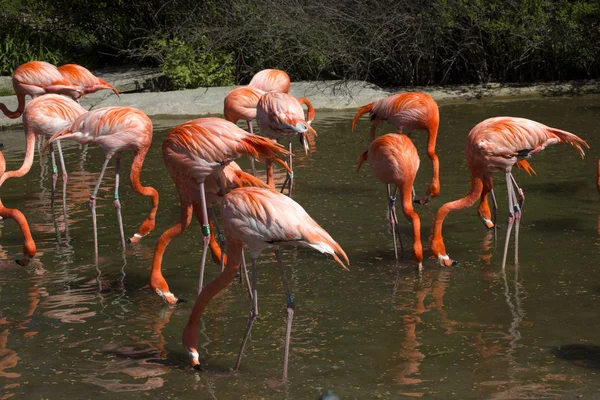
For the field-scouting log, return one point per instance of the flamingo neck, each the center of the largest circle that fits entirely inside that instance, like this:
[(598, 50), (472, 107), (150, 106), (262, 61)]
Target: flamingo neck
[(29, 248), (437, 242), (413, 217), (20, 107), (27, 162), (234, 256), (148, 191)]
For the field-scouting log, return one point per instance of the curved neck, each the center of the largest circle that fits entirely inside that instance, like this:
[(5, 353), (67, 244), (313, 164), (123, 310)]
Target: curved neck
[(413, 218), (27, 162), (467, 201), (29, 248), (148, 191), (234, 256), (17, 113)]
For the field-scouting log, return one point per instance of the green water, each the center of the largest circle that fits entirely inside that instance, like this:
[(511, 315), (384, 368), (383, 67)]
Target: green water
[(73, 329)]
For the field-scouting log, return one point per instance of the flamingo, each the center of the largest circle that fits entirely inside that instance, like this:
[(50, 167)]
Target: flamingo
[(271, 80), (280, 116), (261, 219), (240, 104), (394, 161), (232, 177), (44, 116), (116, 129), (495, 145), (202, 147), (36, 78), (29, 248), (409, 111), (83, 78)]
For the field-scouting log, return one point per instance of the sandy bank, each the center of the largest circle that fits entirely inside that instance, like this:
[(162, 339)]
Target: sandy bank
[(324, 95)]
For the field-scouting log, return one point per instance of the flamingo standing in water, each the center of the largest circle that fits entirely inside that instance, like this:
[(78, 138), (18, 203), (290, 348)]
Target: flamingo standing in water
[(83, 78), (280, 116), (409, 111), (202, 147), (495, 145), (36, 78), (261, 219), (394, 161), (29, 248), (117, 129), (271, 80), (232, 177), (44, 116)]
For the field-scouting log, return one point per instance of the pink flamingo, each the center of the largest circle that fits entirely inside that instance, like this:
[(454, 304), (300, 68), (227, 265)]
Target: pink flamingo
[(407, 112), (202, 147), (83, 78), (394, 161), (232, 177), (280, 116), (271, 80), (117, 129), (29, 248), (43, 117), (495, 145), (261, 219), (36, 78)]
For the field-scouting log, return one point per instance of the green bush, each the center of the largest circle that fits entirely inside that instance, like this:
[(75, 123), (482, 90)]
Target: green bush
[(16, 51)]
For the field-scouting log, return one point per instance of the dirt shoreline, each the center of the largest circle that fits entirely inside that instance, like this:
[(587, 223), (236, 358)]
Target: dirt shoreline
[(324, 95)]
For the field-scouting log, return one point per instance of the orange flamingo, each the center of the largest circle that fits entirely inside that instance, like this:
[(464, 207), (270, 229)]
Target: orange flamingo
[(232, 177), (394, 161), (495, 145), (202, 147), (409, 111), (280, 116), (271, 80), (29, 248), (83, 78), (261, 219), (36, 78), (117, 129), (43, 117)]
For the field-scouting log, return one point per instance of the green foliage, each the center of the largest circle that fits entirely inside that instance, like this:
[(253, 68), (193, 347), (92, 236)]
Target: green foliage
[(16, 51), (188, 66)]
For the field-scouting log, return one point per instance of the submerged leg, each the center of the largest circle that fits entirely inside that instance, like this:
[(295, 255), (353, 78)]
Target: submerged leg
[(251, 319), (54, 174), (511, 217), (391, 204), (518, 211), (290, 316), (117, 203), (93, 202)]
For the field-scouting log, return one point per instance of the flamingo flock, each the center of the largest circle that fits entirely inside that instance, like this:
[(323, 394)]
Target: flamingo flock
[(200, 157)]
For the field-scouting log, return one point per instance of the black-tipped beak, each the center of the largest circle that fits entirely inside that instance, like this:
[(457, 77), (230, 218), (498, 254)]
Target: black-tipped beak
[(197, 367), (179, 300)]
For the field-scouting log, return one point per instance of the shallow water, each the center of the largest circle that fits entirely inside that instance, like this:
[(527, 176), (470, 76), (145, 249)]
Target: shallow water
[(69, 328)]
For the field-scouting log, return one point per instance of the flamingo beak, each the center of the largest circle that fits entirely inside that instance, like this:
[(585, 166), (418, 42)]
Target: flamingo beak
[(446, 261), (303, 141)]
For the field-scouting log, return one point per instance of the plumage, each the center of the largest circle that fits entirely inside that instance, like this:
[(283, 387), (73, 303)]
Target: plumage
[(83, 78), (271, 80), (496, 145), (36, 78)]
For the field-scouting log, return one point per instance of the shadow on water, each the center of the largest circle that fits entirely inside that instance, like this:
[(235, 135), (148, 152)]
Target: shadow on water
[(583, 355)]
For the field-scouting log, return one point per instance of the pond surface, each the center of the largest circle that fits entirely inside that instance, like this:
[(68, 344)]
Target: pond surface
[(73, 329)]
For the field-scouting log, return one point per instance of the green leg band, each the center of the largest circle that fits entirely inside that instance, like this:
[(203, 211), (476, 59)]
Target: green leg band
[(206, 230)]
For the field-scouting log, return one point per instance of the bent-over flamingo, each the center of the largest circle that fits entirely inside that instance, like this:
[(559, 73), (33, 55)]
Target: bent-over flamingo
[(407, 112), (117, 129), (202, 147), (82, 77), (232, 177), (495, 145), (280, 116), (394, 161), (36, 78), (261, 219), (271, 80), (29, 248)]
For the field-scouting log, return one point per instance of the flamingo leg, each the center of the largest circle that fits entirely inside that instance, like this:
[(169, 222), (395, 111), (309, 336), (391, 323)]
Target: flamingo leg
[(205, 235), (245, 272), (220, 235), (251, 159), (251, 319), (391, 205), (65, 178), (518, 212), (290, 316), (54, 174), (291, 174), (93, 202), (117, 203), (511, 216)]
